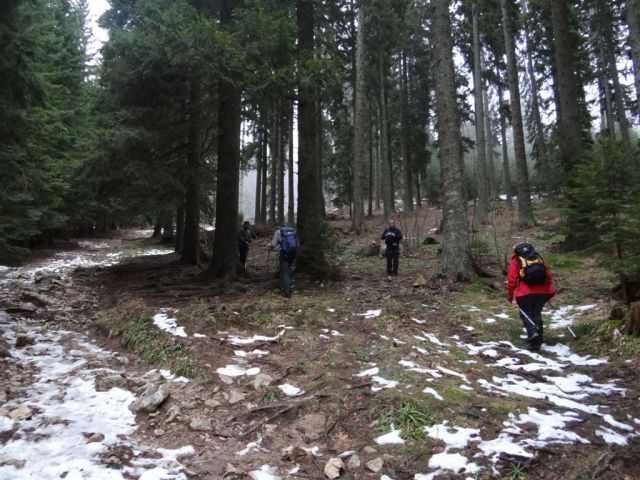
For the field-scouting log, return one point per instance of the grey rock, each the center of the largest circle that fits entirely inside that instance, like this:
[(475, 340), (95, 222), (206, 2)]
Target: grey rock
[(152, 376), (368, 449), (24, 340), (151, 398), (232, 472), (94, 437), (21, 413), (226, 380), (235, 396), (158, 432), (333, 468), (173, 412), (212, 403), (4, 353), (14, 462), (104, 384), (200, 424), (36, 298), (262, 380), (375, 465), (354, 462), (24, 308)]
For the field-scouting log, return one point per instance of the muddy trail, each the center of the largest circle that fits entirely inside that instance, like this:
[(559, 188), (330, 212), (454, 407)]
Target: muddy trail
[(118, 362)]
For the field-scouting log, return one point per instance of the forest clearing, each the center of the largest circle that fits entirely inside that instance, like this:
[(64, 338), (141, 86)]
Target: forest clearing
[(319, 239)]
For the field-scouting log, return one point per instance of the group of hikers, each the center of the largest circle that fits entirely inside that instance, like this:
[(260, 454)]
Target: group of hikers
[(529, 278)]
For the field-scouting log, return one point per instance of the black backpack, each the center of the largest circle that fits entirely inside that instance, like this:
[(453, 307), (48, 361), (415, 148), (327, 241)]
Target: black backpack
[(289, 242), (533, 269)]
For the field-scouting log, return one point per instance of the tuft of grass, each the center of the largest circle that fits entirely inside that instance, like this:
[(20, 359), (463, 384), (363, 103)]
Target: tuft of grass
[(262, 318), (410, 417), (562, 261), (385, 320), (517, 472), (138, 335)]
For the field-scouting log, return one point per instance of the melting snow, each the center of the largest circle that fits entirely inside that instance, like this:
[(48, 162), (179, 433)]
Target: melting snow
[(256, 352), (433, 392), (235, 340), (168, 324), (370, 314), (266, 472), (391, 438), (61, 390), (368, 373), (611, 437), (290, 390), (237, 371), (561, 318)]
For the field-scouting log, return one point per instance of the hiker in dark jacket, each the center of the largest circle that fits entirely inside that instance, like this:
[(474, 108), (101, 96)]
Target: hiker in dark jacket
[(244, 240), (529, 297), (392, 237)]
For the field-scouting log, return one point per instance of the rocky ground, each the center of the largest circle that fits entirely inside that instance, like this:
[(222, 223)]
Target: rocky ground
[(119, 362)]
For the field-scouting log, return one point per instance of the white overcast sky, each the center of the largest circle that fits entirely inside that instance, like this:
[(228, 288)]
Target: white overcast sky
[(98, 35)]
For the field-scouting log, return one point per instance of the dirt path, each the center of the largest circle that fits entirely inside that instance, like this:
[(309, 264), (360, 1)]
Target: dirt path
[(382, 380)]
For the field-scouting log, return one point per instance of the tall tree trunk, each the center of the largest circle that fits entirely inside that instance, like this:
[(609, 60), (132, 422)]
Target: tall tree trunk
[(191, 234), (570, 122), (540, 144), (606, 90), (256, 216), (376, 164), (179, 227), (633, 21), (311, 223), (407, 197), (225, 261), (265, 169), (491, 154), (371, 171), (273, 178), (618, 93), (505, 150), (360, 125), (456, 253), (282, 131), (482, 213), (385, 171), (291, 216), (525, 209)]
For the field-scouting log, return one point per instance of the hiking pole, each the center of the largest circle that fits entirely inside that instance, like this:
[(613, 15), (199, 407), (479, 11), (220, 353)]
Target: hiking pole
[(568, 326), (528, 319)]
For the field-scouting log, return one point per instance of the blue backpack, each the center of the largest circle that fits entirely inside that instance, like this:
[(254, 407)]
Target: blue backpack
[(289, 242)]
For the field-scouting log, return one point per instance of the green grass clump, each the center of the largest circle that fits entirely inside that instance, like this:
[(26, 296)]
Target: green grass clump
[(138, 335), (410, 417)]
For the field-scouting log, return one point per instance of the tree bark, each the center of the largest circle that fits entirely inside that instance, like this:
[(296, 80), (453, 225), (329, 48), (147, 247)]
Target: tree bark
[(525, 209), (265, 168), (360, 125), (191, 234), (179, 228), (273, 178), (482, 213), (505, 149), (225, 261), (456, 254), (407, 197), (490, 139), (540, 144), (385, 170), (282, 132), (618, 93), (256, 216), (633, 22), (311, 223), (570, 122), (291, 216), (606, 91)]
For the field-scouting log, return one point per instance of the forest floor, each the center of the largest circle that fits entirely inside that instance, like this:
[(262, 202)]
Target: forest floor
[(364, 378)]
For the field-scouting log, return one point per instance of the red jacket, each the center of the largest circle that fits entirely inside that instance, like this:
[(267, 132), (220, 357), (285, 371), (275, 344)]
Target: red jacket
[(520, 289)]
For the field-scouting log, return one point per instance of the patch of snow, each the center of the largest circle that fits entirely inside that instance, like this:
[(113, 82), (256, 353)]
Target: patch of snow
[(454, 373), (237, 371), (419, 322), (235, 340), (334, 333), (465, 387), (266, 472), (251, 447), (391, 438), (167, 375), (552, 426), (199, 335), (414, 367), (6, 424), (290, 390), (433, 339), (368, 373), (468, 328), (370, 314), (490, 320), (611, 437), (421, 350), (614, 423), (156, 251), (490, 352), (168, 324), (331, 310), (315, 451), (565, 354), (256, 352), (382, 383), (453, 436), (433, 392), (502, 315), (61, 390), (562, 317), (452, 461)]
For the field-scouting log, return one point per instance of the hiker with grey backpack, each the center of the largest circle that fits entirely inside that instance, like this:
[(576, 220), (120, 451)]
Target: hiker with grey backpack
[(286, 241), (530, 284)]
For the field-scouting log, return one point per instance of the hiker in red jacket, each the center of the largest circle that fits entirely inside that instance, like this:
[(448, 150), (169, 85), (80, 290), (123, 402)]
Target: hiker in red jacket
[(530, 283)]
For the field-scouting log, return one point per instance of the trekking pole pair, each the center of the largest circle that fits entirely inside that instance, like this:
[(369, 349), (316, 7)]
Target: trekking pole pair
[(534, 325)]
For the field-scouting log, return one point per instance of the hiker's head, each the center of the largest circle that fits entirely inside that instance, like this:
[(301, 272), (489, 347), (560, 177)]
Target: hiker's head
[(246, 224), (392, 222)]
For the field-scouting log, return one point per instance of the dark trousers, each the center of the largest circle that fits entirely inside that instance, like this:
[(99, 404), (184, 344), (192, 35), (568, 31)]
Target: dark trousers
[(243, 249), (285, 264), (532, 305), (393, 256)]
